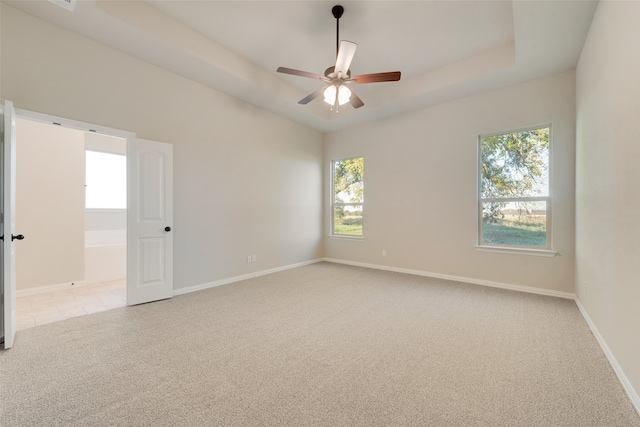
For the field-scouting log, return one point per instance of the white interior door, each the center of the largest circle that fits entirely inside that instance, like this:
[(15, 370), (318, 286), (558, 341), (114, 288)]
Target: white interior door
[(8, 225), (150, 221)]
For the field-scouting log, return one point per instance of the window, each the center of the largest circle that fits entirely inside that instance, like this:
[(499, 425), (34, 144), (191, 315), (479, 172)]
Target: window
[(514, 207), (105, 180), (347, 198)]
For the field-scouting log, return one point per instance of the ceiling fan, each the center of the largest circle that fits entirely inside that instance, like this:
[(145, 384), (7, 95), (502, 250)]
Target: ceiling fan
[(337, 77)]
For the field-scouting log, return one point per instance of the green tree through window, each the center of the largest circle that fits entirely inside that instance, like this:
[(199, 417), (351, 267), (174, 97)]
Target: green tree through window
[(347, 197), (514, 189)]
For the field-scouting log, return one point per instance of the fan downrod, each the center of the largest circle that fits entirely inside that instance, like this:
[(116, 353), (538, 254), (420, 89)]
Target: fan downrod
[(337, 11)]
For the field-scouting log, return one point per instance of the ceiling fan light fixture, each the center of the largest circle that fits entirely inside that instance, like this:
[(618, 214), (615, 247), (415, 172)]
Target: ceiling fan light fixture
[(342, 92), (336, 93)]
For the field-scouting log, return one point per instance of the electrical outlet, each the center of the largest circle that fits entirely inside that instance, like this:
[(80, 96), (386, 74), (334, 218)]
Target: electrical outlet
[(253, 258), (248, 259), (384, 252)]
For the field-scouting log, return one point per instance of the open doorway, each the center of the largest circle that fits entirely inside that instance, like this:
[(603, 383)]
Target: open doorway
[(71, 203), (149, 213)]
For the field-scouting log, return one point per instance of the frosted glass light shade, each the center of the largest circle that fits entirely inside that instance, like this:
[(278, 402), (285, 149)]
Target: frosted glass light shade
[(330, 95), (343, 94)]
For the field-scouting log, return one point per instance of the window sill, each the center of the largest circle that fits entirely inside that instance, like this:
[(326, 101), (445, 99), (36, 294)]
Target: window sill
[(105, 210), (517, 251), (340, 237)]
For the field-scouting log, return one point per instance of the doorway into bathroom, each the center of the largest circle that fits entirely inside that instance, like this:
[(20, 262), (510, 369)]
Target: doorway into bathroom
[(71, 205)]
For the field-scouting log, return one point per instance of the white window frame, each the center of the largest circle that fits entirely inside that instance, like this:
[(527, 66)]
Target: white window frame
[(333, 204), (529, 250)]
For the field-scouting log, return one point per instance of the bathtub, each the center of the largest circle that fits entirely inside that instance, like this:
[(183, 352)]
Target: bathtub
[(105, 255)]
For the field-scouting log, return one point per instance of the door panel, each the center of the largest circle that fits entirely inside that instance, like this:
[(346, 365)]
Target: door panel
[(8, 225), (150, 222)]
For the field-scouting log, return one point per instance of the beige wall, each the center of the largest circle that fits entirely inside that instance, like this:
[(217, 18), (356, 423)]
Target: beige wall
[(607, 184), (105, 143), (246, 181), (421, 186), (1, 95), (49, 204)]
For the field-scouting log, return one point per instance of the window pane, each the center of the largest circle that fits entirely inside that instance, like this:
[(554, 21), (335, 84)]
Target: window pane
[(348, 181), (514, 223), (515, 164), (106, 180), (347, 220)]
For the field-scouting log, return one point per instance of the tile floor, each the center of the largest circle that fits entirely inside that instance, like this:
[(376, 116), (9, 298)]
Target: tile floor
[(40, 309)]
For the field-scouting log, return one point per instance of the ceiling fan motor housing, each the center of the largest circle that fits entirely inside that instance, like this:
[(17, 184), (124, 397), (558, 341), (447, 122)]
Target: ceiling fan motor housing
[(331, 69)]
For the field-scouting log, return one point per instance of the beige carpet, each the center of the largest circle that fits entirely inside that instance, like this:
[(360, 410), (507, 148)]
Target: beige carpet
[(326, 345)]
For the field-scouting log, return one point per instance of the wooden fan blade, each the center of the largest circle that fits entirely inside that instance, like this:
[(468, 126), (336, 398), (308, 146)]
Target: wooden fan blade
[(391, 76), (300, 73), (313, 95), (355, 100), (345, 56)]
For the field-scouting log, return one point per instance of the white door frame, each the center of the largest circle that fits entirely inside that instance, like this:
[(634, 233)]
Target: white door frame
[(8, 156), (73, 124)]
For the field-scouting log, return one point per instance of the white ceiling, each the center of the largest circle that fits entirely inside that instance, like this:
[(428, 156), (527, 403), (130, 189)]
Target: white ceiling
[(444, 49)]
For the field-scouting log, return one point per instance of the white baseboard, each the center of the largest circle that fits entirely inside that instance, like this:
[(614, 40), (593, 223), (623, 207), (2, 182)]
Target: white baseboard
[(60, 286), (509, 286), (520, 288), (44, 289), (229, 280), (626, 384)]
